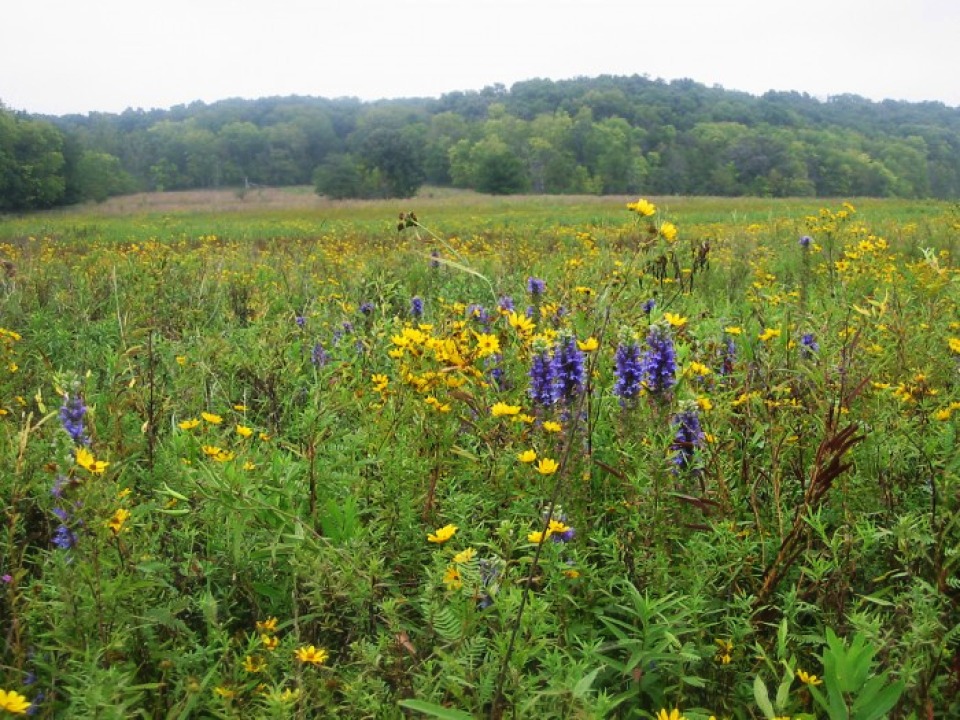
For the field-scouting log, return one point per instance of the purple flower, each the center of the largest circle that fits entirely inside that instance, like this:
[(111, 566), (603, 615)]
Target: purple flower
[(628, 371), (659, 362), (64, 538), (416, 306), (71, 417), (805, 241), (728, 355), (569, 370), (536, 287), (689, 436), (809, 346), (478, 313), (649, 305), (367, 308), (541, 378), (505, 304), (300, 320), (434, 259), (6, 578), (319, 356)]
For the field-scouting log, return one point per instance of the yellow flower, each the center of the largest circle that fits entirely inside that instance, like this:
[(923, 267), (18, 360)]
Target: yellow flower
[(312, 655), (442, 534), (733, 330), (254, 664), (119, 518), (588, 345), (244, 431), (239, 407), (188, 424), (269, 642), (521, 323), (669, 231), (249, 465), (642, 207), (552, 427), (267, 626), (211, 418), (380, 382), (675, 320), (538, 537), (224, 692), (671, 715), (557, 527), (501, 408), (487, 344), (808, 679), (527, 456), (451, 578), (698, 369), (547, 466), (13, 702), (768, 334), (954, 344), (181, 360), (705, 404), (86, 460), (465, 556)]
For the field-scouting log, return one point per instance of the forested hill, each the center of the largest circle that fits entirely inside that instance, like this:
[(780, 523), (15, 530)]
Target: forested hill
[(622, 135)]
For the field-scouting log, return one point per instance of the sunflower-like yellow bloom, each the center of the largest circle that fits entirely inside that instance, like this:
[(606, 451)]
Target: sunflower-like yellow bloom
[(442, 534), (312, 655)]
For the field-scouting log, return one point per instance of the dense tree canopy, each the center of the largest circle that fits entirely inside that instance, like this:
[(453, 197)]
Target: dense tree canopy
[(589, 135)]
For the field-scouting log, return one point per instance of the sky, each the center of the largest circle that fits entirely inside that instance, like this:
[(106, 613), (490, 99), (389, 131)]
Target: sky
[(76, 56)]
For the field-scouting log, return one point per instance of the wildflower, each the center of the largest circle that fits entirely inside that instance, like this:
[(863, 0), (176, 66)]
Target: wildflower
[(269, 642), (675, 320), (244, 431), (380, 382), (118, 520), (588, 345), (442, 534), (254, 664), (728, 353), (501, 409), (312, 655), (188, 424), (724, 651), (487, 344), (267, 626), (536, 287), (805, 241), (367, 308), (451, 578), (648, 306), (560, 531), (808, 679), (628, 369), (527, 456), (547, 466), (224, 692), (668, 231), (538, 536), (954, 344), (434, 259), (181, 360), (569, 371), (768, 334), (63, 537), (505, 305), (86, 460), (689, 436), (809, 346), (642, 207), (552, 427), (300, 320), (416, 306), (464, 556), (670, 715), (319, 356), (71, 417), (13, 702), (542, 379), (659, 362), (211, 418), (521, 323)]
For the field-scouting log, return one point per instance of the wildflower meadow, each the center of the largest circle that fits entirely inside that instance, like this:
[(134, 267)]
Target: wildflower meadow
[(472, 458)]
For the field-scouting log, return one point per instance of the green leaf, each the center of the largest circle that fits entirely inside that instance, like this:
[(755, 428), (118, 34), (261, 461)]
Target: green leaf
[(583, 684), (434, 710), (762, 697)]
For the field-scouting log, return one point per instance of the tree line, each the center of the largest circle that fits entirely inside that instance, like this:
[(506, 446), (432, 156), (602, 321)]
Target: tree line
[(604, 135)]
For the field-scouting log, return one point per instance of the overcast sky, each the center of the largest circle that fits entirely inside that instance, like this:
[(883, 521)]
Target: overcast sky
[(67, 56)]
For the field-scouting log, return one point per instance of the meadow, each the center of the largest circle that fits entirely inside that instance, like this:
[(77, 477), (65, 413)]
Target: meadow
[(270, 456)]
